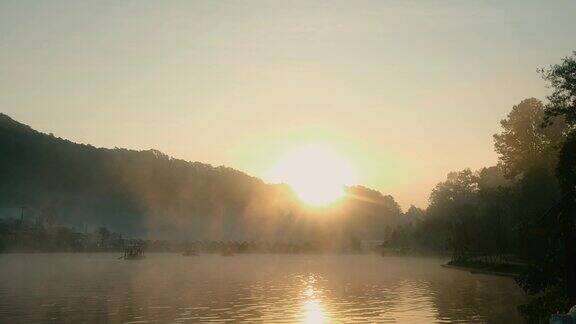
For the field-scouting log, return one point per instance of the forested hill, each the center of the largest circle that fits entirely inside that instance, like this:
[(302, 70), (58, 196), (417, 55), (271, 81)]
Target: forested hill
[(148, 192)]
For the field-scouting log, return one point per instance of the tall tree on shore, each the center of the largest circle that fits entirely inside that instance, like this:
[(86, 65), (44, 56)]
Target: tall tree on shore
[(528, 149), (562, 103), (552, 277), (523, 144), (562, 78)]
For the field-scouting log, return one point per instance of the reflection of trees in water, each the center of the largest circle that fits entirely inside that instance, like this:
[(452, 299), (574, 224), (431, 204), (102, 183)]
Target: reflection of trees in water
[(471, 297), (415, 290)]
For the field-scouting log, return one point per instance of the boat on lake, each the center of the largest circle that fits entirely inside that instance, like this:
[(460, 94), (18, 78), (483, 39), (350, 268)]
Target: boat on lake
[(133, 252)]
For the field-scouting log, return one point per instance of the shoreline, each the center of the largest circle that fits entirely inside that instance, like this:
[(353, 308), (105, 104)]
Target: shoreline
[(501, 270)]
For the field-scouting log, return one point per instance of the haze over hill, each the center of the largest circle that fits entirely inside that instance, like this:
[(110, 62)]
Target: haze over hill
[(396, 86), (147, 193)]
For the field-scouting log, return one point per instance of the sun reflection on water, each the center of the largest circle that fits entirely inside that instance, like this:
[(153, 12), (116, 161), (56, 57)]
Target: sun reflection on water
[(313, 310)]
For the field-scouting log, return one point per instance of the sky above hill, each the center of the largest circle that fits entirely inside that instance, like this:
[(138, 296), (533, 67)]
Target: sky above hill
[(405, 90)]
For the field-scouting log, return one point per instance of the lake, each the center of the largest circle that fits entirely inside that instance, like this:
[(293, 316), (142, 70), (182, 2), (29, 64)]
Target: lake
[(170, 288)]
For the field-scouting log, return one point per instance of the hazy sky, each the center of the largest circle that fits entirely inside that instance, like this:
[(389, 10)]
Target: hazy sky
[(408, 90)]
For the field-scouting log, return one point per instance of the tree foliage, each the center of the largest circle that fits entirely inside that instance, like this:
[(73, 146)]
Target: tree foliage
[(523, 143), (562, 79)]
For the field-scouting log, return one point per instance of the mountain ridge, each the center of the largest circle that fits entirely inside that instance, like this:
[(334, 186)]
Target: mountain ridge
[(150, 193)]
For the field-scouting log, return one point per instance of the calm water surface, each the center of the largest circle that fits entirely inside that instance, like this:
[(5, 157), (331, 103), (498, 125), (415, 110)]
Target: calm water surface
[(170, 288)]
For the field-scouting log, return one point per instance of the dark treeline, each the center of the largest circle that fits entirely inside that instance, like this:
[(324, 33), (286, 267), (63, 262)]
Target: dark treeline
[(18, 235), (40, 235), (149, 194), (520, 211), (496, 210)]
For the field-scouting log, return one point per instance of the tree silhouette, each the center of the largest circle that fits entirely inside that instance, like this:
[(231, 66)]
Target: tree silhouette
[(523, 143)]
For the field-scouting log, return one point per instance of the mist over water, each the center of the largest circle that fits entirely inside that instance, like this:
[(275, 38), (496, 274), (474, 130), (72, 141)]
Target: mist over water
[(287, 161), (170, 288)]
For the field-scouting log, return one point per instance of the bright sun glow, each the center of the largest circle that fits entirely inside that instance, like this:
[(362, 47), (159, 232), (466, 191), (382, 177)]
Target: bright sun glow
[(315, 172)]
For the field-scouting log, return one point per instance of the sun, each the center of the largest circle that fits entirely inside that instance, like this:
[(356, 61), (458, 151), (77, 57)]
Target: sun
[(315, 172)]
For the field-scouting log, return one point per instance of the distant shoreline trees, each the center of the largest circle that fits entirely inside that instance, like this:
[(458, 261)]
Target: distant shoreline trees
[(25, 236)]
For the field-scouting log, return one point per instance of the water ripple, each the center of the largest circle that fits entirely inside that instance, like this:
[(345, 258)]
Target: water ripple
[(168, 288)]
